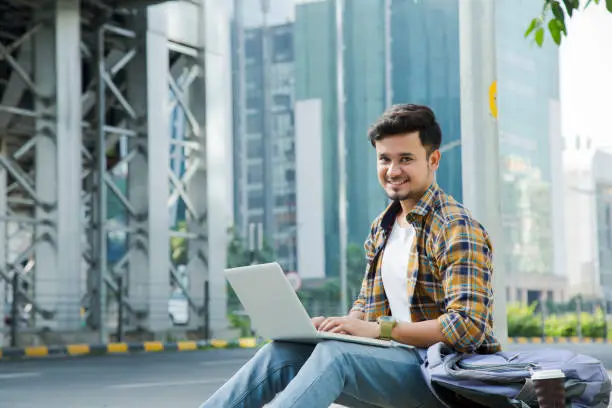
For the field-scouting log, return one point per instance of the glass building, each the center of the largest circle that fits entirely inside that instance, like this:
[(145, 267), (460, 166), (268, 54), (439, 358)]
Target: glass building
[(530, 143), (264, 148), (425, 70), (385, 60), (315, 78)]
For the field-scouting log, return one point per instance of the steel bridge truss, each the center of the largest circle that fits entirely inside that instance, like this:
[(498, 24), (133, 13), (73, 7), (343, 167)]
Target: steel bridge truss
[(98, 106)]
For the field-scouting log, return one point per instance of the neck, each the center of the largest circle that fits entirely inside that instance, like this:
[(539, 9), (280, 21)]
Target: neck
[(408, 205)]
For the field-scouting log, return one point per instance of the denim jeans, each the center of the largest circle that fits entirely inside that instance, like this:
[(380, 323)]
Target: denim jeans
[(308, 376)]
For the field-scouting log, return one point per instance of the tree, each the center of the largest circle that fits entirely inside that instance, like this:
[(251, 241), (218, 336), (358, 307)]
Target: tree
[(327, 295), (238, 255), (356, 264), (554, 13)]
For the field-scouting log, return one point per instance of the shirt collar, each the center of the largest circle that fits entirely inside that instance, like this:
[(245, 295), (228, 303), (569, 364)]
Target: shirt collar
[(422, 207)]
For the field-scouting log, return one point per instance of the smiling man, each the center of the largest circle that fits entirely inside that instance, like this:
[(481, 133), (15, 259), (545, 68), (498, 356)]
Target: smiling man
[(428, 280)]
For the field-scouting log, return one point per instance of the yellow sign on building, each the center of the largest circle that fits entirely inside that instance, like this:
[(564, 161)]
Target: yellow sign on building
[(493, 99)]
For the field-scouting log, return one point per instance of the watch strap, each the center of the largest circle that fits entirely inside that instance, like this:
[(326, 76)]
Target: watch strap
[(386, 327)]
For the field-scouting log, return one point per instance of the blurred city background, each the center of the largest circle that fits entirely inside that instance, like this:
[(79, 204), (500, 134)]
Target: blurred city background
[(146, 145), (146, 149)]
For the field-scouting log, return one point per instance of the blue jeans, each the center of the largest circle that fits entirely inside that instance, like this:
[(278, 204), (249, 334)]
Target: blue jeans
[(306, 376)]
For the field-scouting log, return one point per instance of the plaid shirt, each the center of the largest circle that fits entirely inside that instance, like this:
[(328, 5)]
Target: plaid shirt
[(449, 272)]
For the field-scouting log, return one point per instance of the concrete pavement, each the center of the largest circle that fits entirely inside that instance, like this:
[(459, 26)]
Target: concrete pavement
[(152, 380)]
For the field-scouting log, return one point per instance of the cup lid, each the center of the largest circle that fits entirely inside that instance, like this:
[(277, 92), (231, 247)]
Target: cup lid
[(547, 374)]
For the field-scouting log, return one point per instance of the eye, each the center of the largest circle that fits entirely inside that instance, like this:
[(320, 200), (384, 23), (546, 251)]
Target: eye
[(406, 160), (383, 159)]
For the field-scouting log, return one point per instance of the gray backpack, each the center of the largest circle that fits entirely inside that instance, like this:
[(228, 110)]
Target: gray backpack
[(501, 380)]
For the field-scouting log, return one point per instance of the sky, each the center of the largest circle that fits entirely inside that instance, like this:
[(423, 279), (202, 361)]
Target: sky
[(586, 76)]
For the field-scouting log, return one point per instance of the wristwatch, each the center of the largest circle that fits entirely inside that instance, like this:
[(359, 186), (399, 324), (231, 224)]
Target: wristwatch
[(386, 323)]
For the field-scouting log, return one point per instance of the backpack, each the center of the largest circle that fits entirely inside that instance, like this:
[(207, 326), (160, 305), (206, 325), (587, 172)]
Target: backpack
[(502, 379)]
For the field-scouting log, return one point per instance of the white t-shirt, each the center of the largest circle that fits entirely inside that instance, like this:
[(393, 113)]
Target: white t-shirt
[(395, 270)]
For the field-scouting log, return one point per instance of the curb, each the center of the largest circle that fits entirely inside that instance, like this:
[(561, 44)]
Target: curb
[(245, 342), (556, 340), (126, 348)]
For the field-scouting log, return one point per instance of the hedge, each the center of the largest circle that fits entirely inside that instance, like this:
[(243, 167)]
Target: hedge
[(523, 321)]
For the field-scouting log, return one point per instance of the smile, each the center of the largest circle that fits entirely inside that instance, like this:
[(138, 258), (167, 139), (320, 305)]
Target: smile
[(397, 182)]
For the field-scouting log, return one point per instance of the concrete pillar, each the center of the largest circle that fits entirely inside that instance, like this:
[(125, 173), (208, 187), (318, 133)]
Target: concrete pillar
[(211, 103), (148, 188), (479, 136), (57, 74), (3, 239)]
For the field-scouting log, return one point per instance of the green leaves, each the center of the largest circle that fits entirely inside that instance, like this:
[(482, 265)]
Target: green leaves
[(534, 23), (569, 6), (553, 12), (555, 27), (539, 36), (558, 12), (553, 18)]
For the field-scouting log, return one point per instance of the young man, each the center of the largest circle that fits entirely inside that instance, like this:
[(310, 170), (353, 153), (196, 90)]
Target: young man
[(429, 280)]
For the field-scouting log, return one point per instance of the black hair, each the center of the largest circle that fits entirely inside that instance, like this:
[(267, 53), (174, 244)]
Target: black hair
[(408, 118)]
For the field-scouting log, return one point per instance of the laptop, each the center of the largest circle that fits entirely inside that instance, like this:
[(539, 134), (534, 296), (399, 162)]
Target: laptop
[(275, 309)]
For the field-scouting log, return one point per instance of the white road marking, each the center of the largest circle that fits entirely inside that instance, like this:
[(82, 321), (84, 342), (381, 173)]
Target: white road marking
[(166, 384), (11, 376)]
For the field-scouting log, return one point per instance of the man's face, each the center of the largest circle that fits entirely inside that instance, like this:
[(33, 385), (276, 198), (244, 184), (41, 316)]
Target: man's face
[(404, 170)]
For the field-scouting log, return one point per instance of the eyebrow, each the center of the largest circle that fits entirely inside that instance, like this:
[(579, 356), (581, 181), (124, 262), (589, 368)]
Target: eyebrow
[(410, 155)]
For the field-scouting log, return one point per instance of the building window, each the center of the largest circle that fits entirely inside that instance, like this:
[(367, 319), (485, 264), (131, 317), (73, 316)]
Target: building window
[(254, 101), (254, 148), (285, 200), (255, 219), (282, 47), (252, 76), (254, 123), (283, 101), (252, 45), (290, 176), (255, 173), (256, 199)]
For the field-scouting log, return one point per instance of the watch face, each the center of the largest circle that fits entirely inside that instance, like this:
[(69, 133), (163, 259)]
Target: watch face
[(386, 319)]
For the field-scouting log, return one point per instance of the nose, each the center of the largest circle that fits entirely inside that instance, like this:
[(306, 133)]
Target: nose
[(393, 171)]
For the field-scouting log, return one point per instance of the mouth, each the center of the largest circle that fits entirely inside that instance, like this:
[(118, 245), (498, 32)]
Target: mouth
[(396, 183)]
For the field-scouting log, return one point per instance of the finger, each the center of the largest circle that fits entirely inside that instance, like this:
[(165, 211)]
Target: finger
[(324, 326), (338, 329), (328, 324), (316, 321)]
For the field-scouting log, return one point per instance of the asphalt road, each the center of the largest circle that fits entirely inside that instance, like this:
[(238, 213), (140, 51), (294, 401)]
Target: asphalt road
[(151, 380)]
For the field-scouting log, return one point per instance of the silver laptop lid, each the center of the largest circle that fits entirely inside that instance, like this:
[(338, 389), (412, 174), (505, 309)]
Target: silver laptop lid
[(270, 301)]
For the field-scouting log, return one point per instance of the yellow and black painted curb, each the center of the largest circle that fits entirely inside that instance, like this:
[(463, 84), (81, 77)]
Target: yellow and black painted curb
[(245, 342), (125, 348), (557, 340)]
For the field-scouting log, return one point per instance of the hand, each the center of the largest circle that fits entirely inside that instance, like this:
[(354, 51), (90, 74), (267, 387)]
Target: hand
[(350, 325), (317, 321)]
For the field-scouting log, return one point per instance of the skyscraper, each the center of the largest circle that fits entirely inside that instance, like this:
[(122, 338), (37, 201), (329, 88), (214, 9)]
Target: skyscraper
[(400, 51), (264, 150), (530, 155), (425, 70)]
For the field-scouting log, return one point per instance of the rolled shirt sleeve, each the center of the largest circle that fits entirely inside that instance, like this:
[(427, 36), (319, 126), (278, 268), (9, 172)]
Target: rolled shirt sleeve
[(464, 256)]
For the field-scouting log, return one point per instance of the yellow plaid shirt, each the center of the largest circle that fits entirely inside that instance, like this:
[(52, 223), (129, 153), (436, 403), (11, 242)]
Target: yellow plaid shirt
[(449, 272)]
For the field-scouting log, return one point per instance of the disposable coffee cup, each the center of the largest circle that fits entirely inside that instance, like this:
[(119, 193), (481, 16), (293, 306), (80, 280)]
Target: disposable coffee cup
[(550, 388)]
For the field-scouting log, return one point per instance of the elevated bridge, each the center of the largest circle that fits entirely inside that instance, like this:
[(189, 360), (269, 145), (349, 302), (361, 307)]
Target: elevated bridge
[(114, 122)]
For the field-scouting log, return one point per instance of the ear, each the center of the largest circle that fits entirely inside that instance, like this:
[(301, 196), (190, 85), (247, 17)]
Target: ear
[(434, 159)]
